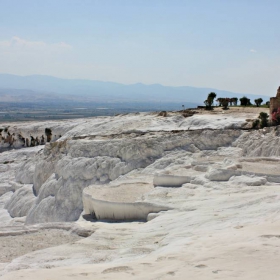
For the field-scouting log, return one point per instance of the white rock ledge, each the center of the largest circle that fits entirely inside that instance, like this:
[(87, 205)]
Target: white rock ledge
[(126, 210)]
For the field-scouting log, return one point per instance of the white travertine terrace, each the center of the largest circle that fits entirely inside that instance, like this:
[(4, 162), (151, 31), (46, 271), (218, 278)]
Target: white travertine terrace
[(218, 181), (121, 211), (121, 202)]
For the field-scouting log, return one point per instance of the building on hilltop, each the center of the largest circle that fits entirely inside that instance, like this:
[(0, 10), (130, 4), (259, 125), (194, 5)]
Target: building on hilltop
[(275, 102)]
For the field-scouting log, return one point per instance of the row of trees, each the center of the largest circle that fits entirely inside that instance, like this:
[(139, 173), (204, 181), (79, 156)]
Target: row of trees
[(229, 101), (244, 101), (225, 102)]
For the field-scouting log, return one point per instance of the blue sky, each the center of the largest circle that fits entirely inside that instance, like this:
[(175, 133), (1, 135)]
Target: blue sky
[(225, 44)]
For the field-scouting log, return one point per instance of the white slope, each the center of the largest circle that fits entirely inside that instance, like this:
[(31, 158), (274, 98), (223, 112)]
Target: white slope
[(224, 218)]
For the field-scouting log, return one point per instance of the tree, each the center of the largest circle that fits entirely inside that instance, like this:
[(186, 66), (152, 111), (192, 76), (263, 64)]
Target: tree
[(234, 100), (212, 95), (244, 101), (209, 101), (220, 100), (225, 103), (258, 101)]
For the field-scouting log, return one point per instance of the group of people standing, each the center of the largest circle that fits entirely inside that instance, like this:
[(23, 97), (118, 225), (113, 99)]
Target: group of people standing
[(33, 141), (16, 140)]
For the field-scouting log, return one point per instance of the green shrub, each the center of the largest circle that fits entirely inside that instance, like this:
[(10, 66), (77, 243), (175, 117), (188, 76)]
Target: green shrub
[(256, 123), (263, 119)]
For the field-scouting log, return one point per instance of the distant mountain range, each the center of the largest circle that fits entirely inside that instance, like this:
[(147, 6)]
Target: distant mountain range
[(39, 88)]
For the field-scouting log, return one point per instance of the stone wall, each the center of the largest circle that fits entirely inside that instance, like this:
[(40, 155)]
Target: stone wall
[(278, 93), (274, 104)]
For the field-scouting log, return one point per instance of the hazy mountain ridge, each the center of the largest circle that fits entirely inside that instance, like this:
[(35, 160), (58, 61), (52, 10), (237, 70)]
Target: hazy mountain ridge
[(40, 87)]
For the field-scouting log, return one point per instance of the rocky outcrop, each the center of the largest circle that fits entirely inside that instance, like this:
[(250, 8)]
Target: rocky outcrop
[(217, 185), (103, 149), (66, 168), (21, 201)]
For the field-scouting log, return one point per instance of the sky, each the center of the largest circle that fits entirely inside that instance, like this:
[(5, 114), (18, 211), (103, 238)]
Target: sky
[(224, 44)]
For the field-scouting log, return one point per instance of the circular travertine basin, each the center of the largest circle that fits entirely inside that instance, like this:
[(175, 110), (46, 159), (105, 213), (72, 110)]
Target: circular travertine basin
[(121, 202), (164, 180)]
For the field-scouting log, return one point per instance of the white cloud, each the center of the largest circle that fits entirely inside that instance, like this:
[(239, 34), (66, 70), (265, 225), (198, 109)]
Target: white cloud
[(25, 57), (16, 43), (253, 51)]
